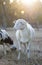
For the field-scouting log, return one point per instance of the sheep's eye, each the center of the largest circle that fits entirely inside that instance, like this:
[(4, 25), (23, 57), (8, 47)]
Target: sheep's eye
[(21, 23)]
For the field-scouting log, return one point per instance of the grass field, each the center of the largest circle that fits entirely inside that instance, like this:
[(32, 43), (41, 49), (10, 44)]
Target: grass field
[(36, 52)]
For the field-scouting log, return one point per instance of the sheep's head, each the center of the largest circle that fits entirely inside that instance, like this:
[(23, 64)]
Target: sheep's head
[(20, 24)]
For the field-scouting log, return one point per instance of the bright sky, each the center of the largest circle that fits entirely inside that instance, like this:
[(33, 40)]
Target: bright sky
[(26, 2), (40, 0), (11, 1)]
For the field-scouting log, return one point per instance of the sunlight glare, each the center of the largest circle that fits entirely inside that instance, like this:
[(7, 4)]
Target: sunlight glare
[(4, 3), (22, 12), (17, 1), (11, 1), (28, 2), (41, 1)]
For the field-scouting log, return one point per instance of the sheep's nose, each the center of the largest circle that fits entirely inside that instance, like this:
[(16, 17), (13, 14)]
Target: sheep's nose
[(13, 47)]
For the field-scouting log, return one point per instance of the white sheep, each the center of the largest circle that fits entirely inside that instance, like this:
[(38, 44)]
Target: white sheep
[(24, 34), (5, 39)]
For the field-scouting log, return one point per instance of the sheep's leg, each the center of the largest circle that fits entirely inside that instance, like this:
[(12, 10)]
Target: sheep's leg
[(4, 48), (28, 50), (25, 48), (19, 51), (18, 55)]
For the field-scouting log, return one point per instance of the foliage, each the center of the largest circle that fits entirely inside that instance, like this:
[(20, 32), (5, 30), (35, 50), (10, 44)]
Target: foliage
[(10, 12)]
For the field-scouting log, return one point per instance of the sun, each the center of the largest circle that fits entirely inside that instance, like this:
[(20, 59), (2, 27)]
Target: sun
[(28, 2)]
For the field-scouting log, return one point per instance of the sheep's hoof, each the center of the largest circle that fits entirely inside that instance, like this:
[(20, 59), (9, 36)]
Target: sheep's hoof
[(16, 61)]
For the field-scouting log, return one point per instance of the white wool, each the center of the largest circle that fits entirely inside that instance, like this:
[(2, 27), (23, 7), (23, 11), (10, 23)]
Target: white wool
[(24, 30), (4, 34), (24, 33), (20, 24), (32, 31)]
